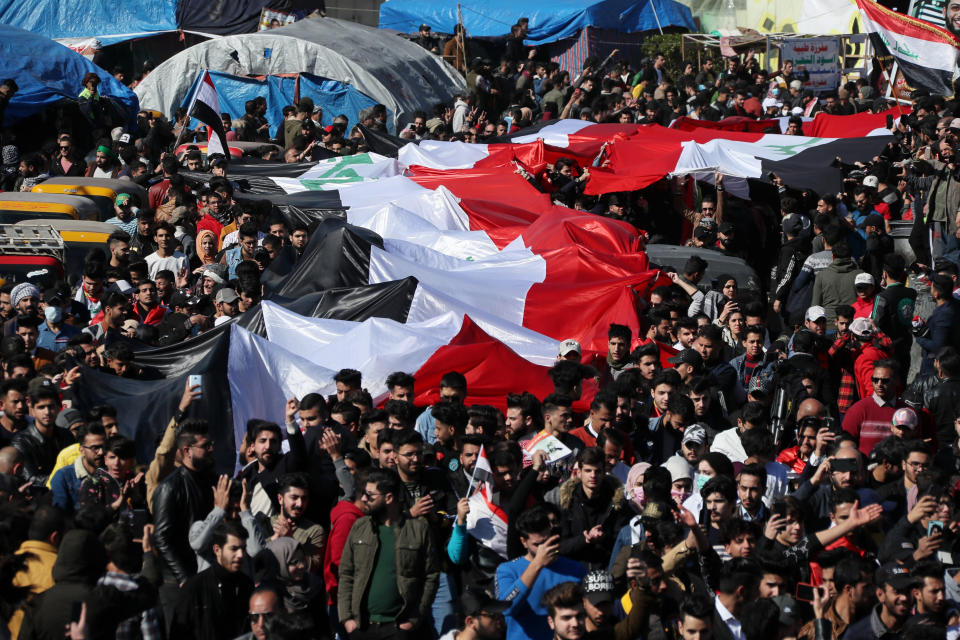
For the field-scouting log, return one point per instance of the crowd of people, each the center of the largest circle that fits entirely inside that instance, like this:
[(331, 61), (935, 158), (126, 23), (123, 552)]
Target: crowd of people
[(791, 472)]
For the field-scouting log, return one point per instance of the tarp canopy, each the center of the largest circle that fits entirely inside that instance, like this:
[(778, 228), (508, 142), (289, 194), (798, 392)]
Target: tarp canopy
[(407, 79), (47, 73), (332, 96), (104, 19), (549, 20)]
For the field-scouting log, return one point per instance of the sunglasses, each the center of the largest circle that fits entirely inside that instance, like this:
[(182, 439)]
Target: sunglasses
[(881, 380)]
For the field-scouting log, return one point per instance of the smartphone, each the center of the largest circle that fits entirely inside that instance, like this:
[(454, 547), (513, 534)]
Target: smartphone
[(76, 609), (196, 380), (889, 122), (829, 422), (843, 464), (779, 509), (140, 519), (934, 527), (805, 591)]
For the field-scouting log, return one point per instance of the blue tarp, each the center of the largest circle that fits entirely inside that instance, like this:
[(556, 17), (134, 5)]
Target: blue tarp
[(334, 97), (47, 72), (89, 18), (549, 21)]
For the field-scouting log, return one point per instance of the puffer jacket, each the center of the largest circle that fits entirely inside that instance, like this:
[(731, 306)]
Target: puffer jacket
[(417, 570), (608, 509), (834, 286)]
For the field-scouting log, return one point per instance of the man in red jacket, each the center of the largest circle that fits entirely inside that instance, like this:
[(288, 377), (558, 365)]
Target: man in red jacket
[(148, 307), (342, 517)]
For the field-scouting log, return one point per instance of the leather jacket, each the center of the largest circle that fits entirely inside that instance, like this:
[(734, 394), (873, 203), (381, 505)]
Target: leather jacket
[(178, 502), (39, 452), (943, 401)]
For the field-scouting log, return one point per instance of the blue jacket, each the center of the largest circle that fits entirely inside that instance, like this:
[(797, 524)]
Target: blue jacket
[(65, 487), (942, 333)]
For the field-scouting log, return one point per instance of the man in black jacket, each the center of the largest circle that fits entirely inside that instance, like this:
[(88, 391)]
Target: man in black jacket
[(40, 443), (183, 497), (943, 401), (793, 251), (269, 464), (213, 603)]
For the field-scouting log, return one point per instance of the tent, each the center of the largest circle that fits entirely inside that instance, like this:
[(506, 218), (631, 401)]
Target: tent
[(549, 22), (48, 73), (334, 97), (110, 22), (407, 79)]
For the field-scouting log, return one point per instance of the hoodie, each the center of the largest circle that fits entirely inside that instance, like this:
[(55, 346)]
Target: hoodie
[(834, 286)]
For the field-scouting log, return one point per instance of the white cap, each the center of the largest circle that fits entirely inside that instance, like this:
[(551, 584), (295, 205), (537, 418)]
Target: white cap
[(864, 278), (905, 417), (815, 313), (796, 111), (862, 327), (871, 181), (771, 102), (796, 84), (679, 468), (569, 345)]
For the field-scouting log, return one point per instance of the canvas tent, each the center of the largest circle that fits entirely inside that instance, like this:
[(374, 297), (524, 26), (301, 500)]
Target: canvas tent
[(48, 73), (379, 64), (549, 21)]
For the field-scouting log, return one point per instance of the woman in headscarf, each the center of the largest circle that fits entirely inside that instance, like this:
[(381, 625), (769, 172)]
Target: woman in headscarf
[(300, 595), (206, 249)]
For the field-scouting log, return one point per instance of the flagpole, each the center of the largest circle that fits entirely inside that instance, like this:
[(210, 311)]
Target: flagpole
[(193, 101)]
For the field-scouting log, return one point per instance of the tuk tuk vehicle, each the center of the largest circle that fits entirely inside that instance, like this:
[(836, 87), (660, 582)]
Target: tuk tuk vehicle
[(79, 236), (101, 191), (16, 206), (31, 254)]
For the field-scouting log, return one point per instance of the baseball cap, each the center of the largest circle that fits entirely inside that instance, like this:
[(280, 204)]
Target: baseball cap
[(473, 601), (598, 586), (424, 27), (871, 181), (895, 575), (863, 279), (68, 417), (679, 468), (905, 417), (771, 102), (125, 138), (218, 162), (796, 84), (815, 313), (760, 385), (726, 228), (872, 220), (862, 327), (792, 224), (695, 433), (227, 295), (567, 346), (122, 199), (687, 356), (788, 609)]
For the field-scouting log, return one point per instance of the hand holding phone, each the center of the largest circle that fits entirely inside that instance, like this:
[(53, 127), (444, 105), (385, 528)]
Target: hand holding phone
[(196, 380)]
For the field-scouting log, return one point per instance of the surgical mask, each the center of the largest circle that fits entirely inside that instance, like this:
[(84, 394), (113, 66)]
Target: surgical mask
[(53, 314), (638, 495), (701, 480), (679, 495)]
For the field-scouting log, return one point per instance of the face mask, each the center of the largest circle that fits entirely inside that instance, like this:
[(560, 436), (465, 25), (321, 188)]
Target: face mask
[(701, 480), (679, 495), (53, 314), (638, 495)]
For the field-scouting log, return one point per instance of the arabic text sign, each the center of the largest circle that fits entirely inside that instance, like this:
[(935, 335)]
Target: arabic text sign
[(819, 56)]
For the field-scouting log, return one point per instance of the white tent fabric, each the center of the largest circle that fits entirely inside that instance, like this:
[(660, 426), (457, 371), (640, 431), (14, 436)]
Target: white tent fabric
[(389, 69)]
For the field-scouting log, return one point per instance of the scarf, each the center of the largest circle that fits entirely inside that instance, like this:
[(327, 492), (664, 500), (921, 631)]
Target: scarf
[(206, 258), (297, 595)]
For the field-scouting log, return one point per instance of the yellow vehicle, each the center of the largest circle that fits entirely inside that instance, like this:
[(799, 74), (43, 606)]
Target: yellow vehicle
[(102, 191), (79, 236), (16, 206)]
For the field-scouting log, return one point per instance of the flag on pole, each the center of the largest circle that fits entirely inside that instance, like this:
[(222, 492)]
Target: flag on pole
[(487, 522), (482, 473), (205, 107), (926, 54)]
